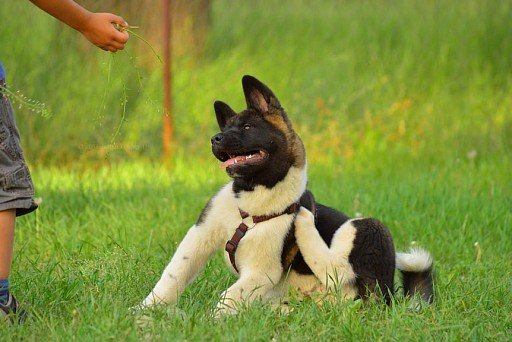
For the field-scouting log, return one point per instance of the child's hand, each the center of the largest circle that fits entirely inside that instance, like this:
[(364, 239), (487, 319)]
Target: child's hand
[(98, 28)]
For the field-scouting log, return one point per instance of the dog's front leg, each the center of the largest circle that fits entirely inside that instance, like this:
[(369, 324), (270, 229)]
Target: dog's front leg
[(248, 288), (329, 264), (190, 257)]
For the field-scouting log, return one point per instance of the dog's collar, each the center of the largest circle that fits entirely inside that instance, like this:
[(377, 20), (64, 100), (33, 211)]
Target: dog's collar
[(232, 244)]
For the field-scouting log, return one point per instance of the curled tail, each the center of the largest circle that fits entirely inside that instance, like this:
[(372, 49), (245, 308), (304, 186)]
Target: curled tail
[(417, 276)]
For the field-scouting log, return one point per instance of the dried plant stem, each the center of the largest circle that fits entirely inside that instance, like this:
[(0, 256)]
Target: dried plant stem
[(123, 115), (104, 97), (130, 31), (22, 101)]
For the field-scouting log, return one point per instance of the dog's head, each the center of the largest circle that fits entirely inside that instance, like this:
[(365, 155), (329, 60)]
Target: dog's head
[(258, 145)]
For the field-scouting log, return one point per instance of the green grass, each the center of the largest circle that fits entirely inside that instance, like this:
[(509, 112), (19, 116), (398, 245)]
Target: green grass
[(100, 240), (405, 110)]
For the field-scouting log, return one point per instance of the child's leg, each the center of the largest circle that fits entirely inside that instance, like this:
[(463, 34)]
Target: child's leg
[(7, 223), (16, 193)]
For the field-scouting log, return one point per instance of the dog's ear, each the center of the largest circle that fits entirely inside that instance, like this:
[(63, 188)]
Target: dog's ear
[(258, 96), (223, 113)]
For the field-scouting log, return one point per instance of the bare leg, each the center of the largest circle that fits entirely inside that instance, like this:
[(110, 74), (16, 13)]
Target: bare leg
[(7, 224)]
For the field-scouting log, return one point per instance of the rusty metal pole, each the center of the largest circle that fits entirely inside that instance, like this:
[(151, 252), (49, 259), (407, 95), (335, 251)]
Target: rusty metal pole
[(167, 132)]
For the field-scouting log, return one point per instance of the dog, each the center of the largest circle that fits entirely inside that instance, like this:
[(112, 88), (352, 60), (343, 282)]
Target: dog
[(275, 235)]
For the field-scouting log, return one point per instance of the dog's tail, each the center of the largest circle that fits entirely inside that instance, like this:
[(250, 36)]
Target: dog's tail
[(417, 275)]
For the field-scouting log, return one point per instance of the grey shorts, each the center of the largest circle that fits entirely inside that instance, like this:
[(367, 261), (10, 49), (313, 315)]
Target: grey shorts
[(16, 188)]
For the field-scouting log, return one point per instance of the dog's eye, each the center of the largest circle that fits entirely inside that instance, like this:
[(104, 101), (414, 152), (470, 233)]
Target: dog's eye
[(247, 126)]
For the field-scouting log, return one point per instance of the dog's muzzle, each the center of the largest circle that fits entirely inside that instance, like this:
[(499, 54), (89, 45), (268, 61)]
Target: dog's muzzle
[(217, 138)]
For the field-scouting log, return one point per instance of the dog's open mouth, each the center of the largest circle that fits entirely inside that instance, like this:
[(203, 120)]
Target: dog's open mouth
[(252, 157)]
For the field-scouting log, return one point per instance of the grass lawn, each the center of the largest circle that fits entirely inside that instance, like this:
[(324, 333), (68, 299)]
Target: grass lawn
[(405, 110), (101, 239)]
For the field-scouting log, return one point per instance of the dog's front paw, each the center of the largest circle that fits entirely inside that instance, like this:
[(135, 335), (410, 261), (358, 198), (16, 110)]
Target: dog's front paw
[(304, 219), (224, 309), (304, 223), (145, 316), (305, 215)]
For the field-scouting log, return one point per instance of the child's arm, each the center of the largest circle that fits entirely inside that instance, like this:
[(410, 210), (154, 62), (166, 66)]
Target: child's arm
[(96, 27)]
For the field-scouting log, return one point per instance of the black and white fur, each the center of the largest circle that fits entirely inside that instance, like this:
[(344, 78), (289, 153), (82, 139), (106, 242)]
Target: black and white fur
[(306, 252)]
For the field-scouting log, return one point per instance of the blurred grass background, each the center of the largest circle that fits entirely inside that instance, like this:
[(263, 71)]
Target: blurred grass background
[(416, 80), (405, 108)]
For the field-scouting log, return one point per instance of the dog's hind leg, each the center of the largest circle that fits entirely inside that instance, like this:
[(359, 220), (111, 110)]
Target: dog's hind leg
[(373, 259), (330, 265)]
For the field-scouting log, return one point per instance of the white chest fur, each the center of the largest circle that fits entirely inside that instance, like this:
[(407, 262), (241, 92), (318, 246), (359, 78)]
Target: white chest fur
[(261, 247)]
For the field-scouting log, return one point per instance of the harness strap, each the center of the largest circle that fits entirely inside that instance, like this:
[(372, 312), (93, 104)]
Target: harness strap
[(232, 244), (292, 209)]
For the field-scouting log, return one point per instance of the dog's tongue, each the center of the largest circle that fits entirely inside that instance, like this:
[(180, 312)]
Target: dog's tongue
[(232, 161)]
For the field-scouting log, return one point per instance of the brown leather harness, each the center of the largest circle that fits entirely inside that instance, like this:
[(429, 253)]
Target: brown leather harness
[(232, 244)]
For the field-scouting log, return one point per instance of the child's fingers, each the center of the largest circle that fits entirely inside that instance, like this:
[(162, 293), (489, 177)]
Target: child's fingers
[(122, 37), (117, 45), (109, 48), (118, 20)]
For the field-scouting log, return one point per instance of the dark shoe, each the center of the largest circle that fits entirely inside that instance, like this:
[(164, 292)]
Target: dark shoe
[(10, 312)]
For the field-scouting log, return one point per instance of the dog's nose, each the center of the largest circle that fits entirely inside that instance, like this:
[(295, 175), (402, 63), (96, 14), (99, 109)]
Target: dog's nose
[(217, 138)]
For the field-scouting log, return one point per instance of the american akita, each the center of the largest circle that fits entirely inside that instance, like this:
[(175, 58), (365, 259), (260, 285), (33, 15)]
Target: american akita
[(275, 235)]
